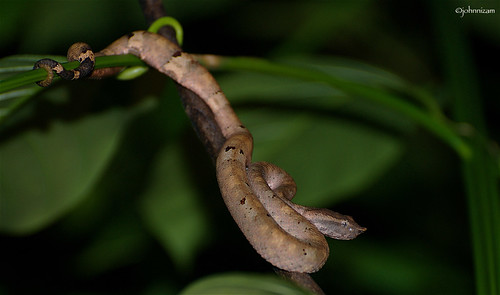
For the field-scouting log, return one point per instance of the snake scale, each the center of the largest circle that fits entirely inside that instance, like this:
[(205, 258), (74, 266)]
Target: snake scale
[(258, 195)]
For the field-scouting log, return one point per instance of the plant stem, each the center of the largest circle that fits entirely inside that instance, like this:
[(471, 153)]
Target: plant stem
[(33, 76)]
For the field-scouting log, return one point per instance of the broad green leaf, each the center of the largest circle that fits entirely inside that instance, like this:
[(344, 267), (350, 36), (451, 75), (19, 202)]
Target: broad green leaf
[(55, 25), (242, 284), (328, 158), (172, 210), (259, 88), (45, 173), (296, 127), (10, 15), (351, 70)]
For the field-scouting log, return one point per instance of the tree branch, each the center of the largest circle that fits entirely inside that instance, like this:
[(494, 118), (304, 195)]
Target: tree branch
[(204, 123), (199, 113)]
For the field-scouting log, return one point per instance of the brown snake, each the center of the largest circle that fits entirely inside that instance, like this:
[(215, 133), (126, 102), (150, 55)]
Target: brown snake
[(258, 195)]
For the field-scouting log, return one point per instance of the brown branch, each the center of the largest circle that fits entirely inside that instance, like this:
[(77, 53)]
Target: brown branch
[(199, 113), (204, 123), (303, 280)]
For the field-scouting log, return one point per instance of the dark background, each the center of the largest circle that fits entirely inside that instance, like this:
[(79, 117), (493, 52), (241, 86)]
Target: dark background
[(418, 238)]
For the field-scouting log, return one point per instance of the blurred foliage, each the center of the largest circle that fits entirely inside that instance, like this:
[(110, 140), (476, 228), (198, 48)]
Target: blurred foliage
[(105, 189)]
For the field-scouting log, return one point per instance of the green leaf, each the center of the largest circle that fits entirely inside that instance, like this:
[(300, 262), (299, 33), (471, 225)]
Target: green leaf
[(480, 172), (295, 125), (54, 25), (242, 284), (431, 118), (172, 209), (329, 158), (43, 174)]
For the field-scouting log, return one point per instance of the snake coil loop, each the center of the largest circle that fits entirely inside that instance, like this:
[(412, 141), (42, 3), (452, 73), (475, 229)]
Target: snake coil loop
[(258, 196), (79, 51)]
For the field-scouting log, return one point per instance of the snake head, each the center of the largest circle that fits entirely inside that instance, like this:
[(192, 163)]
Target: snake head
[(335, 225)]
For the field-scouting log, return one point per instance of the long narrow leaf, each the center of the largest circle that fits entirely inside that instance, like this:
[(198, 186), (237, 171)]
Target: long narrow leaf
[(428, 120), (480, 171)]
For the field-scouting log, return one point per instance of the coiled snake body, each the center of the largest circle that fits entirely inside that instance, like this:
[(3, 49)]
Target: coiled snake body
[(258, 195)]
